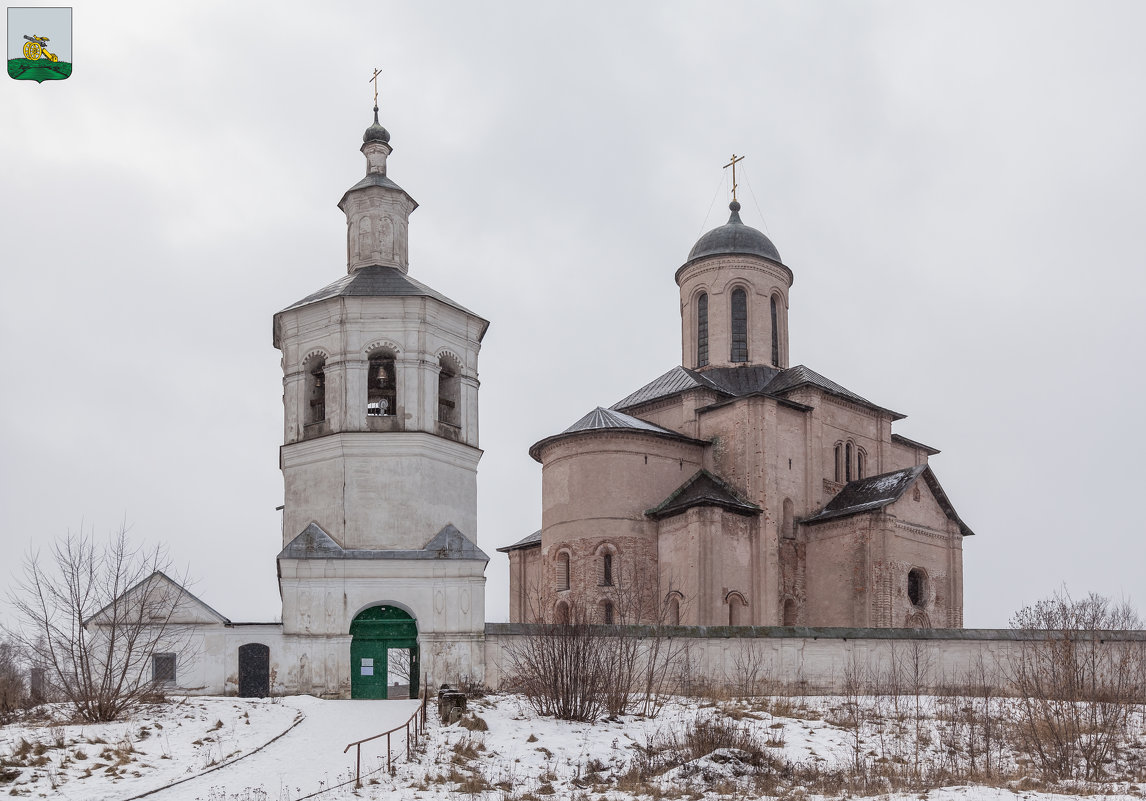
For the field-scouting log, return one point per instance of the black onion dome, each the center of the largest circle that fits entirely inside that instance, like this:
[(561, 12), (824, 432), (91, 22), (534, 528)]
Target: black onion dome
[(376, 133), (734, 237)]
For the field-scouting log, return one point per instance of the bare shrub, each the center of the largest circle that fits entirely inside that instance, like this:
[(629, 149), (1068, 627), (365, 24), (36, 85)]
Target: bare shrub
[(94, 616), (748, 663), (703, 735), (580, 668), (560, 668), (1077, 686)]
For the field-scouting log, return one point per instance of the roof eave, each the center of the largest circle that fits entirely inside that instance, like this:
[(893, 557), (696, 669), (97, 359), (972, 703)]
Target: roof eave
[(672, 511), (537, 447), (913, 444), (517, 546), (699, 259)]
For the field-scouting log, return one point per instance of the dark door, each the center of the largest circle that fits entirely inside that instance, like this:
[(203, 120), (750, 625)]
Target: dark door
[(254, 670)]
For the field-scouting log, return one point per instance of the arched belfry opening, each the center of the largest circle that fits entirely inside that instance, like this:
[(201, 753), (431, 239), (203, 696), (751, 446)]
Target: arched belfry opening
[(449, 396), (315, 409), (381, 385), (384, 658)]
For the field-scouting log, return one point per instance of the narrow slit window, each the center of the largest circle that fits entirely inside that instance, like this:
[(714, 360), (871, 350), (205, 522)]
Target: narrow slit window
[(916, 587), (563, 571), (775, 334), (736, 610), (739, 326), (607, 570), (848, 462), (861, 466), (608, 613), (702, 331), (839, 463)]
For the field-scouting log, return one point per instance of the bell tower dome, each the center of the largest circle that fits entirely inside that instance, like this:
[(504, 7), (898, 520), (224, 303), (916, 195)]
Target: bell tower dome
[(734, 299), (377, 210)]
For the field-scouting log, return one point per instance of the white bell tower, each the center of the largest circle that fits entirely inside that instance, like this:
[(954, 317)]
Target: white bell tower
[(380, 448)]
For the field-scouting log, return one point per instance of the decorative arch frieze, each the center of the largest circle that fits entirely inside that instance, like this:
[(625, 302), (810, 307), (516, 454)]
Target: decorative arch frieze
[(382, 345), (458, 362)]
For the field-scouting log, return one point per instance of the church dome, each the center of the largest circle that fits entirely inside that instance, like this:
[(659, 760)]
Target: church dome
[(376, 133), (734, 237)]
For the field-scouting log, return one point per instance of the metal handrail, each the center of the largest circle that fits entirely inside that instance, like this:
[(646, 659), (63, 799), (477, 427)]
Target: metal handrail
[(419, 721)]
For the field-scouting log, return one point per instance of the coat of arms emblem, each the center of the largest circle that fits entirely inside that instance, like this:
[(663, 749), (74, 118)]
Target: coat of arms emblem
[(39, 44)]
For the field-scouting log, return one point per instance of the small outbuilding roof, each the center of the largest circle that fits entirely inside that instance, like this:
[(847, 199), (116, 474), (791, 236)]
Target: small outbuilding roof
[(703, 489), (531, 541), (876, 492)]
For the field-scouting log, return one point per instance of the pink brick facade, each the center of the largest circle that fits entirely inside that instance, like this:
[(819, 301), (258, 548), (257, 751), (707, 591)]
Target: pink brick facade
[(735, 490)]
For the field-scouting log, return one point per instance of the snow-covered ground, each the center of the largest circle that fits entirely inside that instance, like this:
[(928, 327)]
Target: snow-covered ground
[(520, 755)]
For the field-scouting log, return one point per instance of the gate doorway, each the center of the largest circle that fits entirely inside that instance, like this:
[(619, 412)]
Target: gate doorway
[(254, 670), (383, 653)]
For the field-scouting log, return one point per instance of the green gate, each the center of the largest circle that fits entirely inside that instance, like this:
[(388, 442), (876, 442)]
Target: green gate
[(375, 631)]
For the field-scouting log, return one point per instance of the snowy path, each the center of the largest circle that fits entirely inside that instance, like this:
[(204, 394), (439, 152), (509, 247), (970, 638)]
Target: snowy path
[(309, 757)]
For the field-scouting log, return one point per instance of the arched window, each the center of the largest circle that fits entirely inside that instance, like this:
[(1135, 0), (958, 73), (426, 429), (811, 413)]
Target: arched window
[(917, 587), (775, 334), (315, 411), (790, 612), (861, 462), (737, 609), (839, 462), (607, 570), (788, 527), (672, 609), (608, 614), (848, 462), (381, 385), (561, 613), (739, 326), (562, 571), (449, 387), (702, 330)]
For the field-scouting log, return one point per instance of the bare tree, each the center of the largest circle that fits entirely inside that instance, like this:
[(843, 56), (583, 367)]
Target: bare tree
[(13, 690), (95, 615), (1077, 686)]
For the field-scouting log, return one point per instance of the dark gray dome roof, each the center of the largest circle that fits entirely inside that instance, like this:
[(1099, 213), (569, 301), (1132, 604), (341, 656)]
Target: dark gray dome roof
[(376, 133), (734, 237)]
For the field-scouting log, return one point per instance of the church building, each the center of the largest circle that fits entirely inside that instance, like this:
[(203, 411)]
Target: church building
[(736, 489), (732, 490)]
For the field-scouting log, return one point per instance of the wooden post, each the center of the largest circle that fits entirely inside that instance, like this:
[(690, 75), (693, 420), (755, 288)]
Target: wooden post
[(358, 768)]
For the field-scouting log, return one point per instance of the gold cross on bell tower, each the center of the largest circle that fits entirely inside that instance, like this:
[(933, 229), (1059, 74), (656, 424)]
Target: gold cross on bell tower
[(732, 164), (374, 78)]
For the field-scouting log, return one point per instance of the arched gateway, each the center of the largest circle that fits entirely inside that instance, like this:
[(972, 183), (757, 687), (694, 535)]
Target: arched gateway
[(379, 633)]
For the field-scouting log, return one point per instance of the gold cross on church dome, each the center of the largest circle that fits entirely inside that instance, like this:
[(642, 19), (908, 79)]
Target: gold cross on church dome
[(732, 164), (374, 78)]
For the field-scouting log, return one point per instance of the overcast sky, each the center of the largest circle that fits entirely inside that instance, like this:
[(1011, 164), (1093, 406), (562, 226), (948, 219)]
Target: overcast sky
[(959, 189)]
